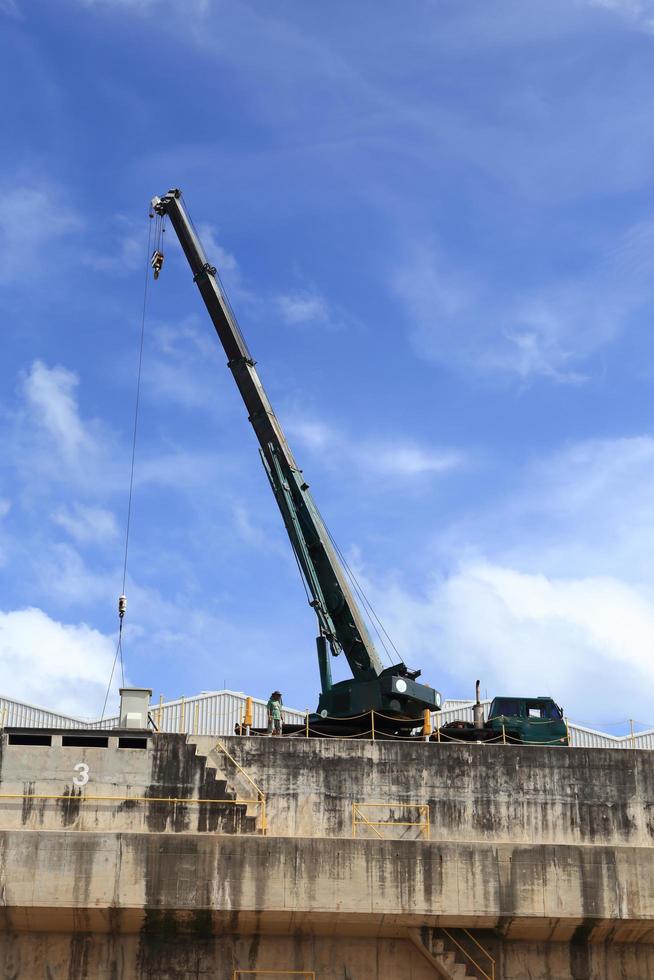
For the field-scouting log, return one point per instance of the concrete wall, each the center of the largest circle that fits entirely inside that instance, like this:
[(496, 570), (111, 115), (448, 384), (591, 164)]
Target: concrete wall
[(520, 794), (549, 849), (540, 892), (52, 956), (84, 956), (167, 768), (88, 957)]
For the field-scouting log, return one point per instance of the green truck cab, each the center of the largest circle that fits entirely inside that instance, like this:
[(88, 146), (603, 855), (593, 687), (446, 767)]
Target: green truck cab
[(531, 720)]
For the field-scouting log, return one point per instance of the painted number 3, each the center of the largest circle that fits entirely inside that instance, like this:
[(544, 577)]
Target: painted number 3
[(82, 777)]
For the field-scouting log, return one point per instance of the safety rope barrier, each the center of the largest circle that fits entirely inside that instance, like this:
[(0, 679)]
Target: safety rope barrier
[(442, 734), (380, 734)]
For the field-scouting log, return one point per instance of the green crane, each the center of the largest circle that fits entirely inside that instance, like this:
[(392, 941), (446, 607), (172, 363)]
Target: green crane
[(341, 628)]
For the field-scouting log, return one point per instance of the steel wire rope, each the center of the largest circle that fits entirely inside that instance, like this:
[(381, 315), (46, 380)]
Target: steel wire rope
[(223, 291), (119, 644), (357, 588), (368, 607)]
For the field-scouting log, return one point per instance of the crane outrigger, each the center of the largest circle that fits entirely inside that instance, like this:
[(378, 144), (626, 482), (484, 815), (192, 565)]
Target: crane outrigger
[(392, 691)]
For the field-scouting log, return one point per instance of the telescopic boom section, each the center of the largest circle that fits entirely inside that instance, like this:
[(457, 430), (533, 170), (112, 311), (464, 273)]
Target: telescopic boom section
[(341, 626), (338, 615)]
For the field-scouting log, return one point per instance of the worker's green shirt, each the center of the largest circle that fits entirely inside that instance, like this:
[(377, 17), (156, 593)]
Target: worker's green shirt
[(275, 709)]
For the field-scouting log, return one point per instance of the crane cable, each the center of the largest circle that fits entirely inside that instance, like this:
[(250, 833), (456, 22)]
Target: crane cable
[(122, 599), (368, 608), (373, 618)]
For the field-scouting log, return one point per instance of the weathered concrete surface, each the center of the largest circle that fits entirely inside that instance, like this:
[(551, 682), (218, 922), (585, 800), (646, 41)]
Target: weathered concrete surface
[(93, 957), (551, 849), (168, 768), (528, 794), (545, 892), (84, 956)]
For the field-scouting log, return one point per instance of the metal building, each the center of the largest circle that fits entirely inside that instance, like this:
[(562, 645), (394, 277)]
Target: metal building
[(217, 712), (208, 713)]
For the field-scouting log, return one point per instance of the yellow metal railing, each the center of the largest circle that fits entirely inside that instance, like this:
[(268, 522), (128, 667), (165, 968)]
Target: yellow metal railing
[(359, 818), (84, 798), (307, 974), (490, 965), (260, 794)]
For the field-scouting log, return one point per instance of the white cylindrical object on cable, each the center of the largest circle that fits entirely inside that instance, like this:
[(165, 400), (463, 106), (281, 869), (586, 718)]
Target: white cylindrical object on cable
[(122, 605)]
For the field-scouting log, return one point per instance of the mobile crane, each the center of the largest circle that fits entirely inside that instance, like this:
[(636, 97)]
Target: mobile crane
[(394, 691)]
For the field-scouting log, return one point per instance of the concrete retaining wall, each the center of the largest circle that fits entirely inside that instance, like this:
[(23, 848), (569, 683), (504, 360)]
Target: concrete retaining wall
[(550, 849), (520, 794)]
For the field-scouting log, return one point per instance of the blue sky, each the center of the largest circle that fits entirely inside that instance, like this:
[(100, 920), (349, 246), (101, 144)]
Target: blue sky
[(435, 221)]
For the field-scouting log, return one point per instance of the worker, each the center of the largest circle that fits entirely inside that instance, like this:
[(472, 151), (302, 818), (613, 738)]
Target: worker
[(274, 707)]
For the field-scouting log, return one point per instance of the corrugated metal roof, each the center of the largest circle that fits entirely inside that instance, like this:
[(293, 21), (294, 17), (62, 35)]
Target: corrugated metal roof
[(24, 715), (217, 712), (208, 713)]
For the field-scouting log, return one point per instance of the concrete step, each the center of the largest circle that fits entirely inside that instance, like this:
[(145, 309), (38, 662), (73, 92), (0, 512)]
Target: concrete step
[(247, 817), (458, 971), (447, 960)]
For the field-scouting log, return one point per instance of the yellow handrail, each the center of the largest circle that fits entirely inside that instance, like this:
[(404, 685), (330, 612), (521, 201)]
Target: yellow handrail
[(423, 824), (117, 799), (258, 790), (488, 976), (355, 810), (483, 950), (307, 974)]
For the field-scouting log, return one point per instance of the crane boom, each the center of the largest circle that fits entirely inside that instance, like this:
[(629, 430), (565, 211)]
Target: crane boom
[(341, 625)]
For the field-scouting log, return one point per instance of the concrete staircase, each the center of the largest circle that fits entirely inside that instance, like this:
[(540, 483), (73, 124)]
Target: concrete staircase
[(228, 784), (445, 956)]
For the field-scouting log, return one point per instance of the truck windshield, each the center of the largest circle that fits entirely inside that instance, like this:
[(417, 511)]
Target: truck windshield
[(510, 707), (546, 710)]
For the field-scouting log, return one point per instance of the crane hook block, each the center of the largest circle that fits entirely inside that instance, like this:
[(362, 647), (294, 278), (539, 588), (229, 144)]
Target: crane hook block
[(122, 605), (156, 262)]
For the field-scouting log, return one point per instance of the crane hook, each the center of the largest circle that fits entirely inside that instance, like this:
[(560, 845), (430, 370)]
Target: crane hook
[(156, 262)]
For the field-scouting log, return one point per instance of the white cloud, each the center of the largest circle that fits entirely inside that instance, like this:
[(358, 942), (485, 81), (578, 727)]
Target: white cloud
[(250, 533), (136, 5), (5, 507), (61, 666), (587, 641), (51, 438), (183, 365), (184, 470), (33, 216), (305, 307), (406, 459), (396, 458), (316, 436), (640, 11), (548, 333), (123, 248), (549, 591), (176, 340), (587, 510), (61, 574), (218, 255), (50, 394), (197, 7), (11, 8), (258, 536), (87, 524)]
